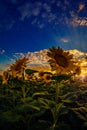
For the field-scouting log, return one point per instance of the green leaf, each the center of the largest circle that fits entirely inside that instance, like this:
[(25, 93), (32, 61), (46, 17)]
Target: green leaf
[(47, 104), (59, 106), (80, 113), (40, 94), (60, 77), (34, 107), (48, 73), (10, 116), (30, 71), (27, 99)]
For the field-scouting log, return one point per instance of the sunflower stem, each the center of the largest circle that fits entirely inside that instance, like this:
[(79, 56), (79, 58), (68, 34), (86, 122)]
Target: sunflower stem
[(55, 112)]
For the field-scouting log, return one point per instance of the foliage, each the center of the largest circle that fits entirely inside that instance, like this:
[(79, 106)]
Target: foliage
[(38, 105), (26, 103), (30, 71)]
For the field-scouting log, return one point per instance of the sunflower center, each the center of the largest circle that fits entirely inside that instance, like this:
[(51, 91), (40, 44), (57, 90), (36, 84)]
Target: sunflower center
[(61, 60)]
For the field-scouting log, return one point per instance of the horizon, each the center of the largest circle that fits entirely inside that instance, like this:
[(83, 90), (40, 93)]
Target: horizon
[(10, 59)]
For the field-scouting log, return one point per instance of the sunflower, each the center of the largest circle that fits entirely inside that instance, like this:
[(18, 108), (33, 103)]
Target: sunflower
[(60, 60), (47, 78), (41, 74), (19, 66), (5, 77)]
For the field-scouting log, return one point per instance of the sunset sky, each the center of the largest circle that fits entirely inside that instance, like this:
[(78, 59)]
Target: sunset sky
[(32, 25)]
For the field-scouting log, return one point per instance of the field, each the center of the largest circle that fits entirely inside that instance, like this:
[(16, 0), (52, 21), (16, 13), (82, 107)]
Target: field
[(41, 100), (39, 105)]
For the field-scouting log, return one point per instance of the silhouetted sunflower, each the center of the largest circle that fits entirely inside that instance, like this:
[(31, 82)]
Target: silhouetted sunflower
[(19, 66), (60, 60)]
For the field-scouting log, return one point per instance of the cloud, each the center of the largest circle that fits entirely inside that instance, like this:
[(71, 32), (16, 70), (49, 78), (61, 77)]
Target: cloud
[(64, 40), (47, 7), (41, 25), (36, 11), (25, 11), (37, 23), (29, 9), (81, 7), (76, 20), (53, 1), (79, 22), (66, 2), (34, 21), (51, 17), (44, 15), (58, 4), (40, 13), (36, 8), (2, 51), (83, 22)]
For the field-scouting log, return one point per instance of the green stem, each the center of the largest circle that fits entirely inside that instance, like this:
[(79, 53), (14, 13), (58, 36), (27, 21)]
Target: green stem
[(24, 93), (54, 112)]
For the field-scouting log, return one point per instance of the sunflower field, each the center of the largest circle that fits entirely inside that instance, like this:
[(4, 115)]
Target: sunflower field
[(41, 100)]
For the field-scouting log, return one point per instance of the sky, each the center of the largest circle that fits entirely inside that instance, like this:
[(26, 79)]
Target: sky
[(33, 25)]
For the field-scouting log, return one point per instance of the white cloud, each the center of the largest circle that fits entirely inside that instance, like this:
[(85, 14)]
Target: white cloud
[(51, 17), (47, 7), (29, 9), (25, 11), (38, 23), (36, 11), (58, 4), (64, 40), (83, 22), (80, 22), (18, 55), (34, 21), (77, 21), (2, 51)]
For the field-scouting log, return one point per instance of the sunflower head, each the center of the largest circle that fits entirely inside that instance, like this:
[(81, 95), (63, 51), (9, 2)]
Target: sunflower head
[(20, 64), (78, 70), (60, 60), (47, 78), (41, 74)]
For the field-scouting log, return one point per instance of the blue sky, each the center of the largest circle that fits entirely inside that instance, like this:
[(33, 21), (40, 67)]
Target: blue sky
[(32, 25)]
